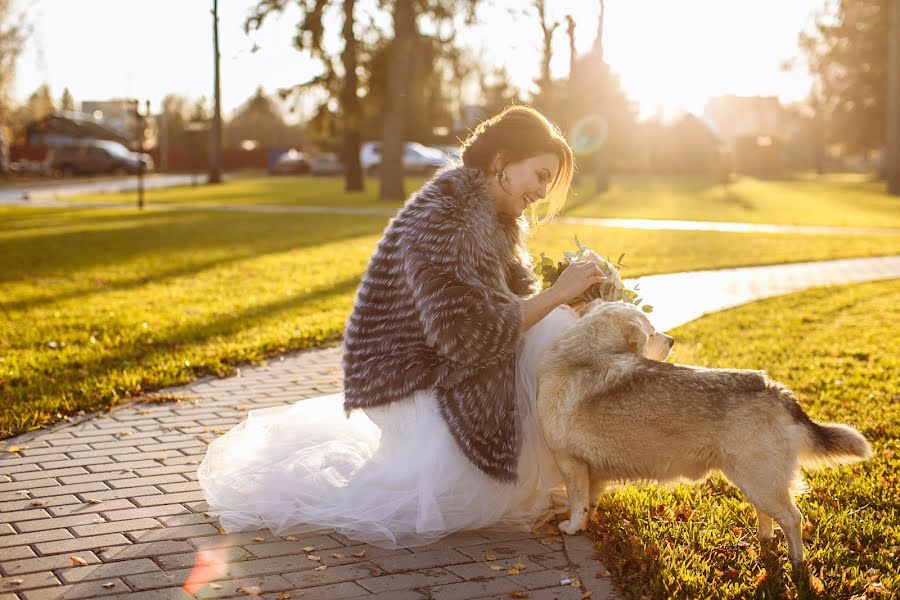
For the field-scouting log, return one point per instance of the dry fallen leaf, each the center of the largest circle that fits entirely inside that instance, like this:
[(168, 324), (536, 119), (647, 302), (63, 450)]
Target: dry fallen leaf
[(496, 568), (359, 554), (520, 566), (490, 557), (250, 591), (322, 568), (587, 594), (602, 572), (38, 503), (93, 501), (78, 561), (338, 556), (215, 586), (512, 572), (309, 549), (109, 584), (519, 595), (816, 585), (16, 581), (282, 595), (375, 572), (290, 538), (14, 449), (576, 583), (259, 539), (312, 557)]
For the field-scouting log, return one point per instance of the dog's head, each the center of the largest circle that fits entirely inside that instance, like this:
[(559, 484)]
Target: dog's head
[(621, 323)]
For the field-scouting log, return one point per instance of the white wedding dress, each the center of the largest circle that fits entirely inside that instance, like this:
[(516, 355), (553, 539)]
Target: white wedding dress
[(391, 476)]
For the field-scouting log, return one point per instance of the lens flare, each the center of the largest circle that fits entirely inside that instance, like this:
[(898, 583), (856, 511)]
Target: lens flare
[(588, 134)]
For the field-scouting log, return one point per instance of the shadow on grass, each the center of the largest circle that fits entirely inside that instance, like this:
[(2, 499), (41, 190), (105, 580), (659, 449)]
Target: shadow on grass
[(157, 239), (24, 401)]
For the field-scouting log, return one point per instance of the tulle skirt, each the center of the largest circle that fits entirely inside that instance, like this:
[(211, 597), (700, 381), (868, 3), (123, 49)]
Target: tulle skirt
[(391, 476)]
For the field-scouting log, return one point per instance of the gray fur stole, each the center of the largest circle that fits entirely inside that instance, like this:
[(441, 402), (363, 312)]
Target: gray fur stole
[(439, 308)]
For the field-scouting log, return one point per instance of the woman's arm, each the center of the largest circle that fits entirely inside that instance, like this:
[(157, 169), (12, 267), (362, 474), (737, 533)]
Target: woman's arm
[(539, 306)]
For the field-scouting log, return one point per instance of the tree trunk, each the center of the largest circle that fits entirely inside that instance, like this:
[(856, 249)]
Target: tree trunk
[(215, 138), (892, 138), (392, 144), (353, 177)]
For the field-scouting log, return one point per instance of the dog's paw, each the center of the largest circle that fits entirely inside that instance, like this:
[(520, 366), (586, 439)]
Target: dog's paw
[(570, 526)]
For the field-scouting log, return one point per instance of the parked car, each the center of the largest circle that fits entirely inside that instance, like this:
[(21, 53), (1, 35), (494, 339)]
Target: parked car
[(292, 162), (326, 163), (417, 159), (97, 157)]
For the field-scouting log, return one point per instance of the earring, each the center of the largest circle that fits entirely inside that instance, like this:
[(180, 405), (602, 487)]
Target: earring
[(502, 178)]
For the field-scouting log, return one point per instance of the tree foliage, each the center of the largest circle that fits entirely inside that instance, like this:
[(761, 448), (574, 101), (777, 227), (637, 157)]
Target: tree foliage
[(847, 55)]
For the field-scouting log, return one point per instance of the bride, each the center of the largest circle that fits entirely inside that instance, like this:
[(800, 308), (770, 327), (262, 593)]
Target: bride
[(436, 429)]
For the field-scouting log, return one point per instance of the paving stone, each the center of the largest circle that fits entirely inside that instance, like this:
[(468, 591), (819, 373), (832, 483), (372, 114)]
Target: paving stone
[(82, 507), (354, 572), (481, 570), (128, 525), (187, 519), (421, 560), (64, 490), (16, 552), (90, 589), (134, 481), (508, 548), (552, 560), (172, 533), (142, 491), (22, 539), (541, 579), (57, 523), (24, 503), (45, 563), (29, 581), (414, 579), (140, 513), (150, 549), (167, 498), (280, 547), (6, 529), (85, 543), (473, 589), (186, 560), (25, 515), (107, 570)]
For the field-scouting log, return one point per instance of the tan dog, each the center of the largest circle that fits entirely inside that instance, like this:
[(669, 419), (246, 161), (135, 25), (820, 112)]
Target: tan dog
[(610, 410)]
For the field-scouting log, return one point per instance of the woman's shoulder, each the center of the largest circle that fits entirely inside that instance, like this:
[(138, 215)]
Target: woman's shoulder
[(455, 198)]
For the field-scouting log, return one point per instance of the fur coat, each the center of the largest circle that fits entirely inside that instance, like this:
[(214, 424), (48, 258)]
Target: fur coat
[(440, 308)]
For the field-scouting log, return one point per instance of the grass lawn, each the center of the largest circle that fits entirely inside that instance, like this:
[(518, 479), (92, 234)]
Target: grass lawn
[(838, 349), (845, 201), (830, 200), (102, 304)]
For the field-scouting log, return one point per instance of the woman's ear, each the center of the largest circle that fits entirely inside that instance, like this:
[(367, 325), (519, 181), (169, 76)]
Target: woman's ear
[(635, 337)]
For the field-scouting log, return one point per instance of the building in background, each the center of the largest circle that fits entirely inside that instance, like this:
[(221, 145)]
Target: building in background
[(753, 130)]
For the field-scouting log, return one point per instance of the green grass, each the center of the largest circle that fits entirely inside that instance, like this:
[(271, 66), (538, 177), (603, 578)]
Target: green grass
[(838, 349), (288, 190), (102, 304), (847, 201), (844, 201)]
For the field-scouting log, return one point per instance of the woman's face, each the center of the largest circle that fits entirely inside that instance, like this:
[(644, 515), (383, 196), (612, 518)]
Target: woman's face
[(523, 183)]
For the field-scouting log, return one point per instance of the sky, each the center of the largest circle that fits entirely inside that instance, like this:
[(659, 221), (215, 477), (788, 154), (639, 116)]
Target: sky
[(671, 56)]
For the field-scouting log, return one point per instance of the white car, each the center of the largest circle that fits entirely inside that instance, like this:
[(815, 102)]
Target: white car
[(417, 159)]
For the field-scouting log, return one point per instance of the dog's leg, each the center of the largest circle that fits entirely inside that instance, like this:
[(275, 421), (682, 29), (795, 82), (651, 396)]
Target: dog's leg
[(578, 481), (766, 529), (791, 520), (598, 486)]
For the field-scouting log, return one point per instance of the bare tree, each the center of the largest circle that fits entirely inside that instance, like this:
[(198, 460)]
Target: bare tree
[(545, 82), (13, 32), (310, 36)]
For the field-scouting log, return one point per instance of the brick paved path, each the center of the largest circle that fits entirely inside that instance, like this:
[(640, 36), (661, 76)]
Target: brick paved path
[(111, 507)]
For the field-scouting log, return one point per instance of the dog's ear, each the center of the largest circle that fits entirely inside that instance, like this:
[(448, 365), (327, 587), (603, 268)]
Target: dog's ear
[(635, 337)]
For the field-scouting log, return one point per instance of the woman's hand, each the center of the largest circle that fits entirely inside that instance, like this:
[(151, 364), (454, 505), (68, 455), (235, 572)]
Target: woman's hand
[(577, 277)]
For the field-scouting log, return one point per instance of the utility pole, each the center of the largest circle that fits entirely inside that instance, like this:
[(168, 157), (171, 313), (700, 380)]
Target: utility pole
[(215, 154)]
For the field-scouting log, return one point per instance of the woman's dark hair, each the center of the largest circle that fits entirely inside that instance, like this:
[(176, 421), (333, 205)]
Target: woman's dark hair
[(517, 133)]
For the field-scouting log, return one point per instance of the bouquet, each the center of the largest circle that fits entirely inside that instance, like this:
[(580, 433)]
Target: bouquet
[(611, 290)]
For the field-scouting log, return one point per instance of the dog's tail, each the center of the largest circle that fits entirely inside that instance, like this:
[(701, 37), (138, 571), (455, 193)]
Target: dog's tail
[(829, 444)]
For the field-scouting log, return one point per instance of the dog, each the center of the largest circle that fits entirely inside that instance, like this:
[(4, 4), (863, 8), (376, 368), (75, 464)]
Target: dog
[(611, 410)]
